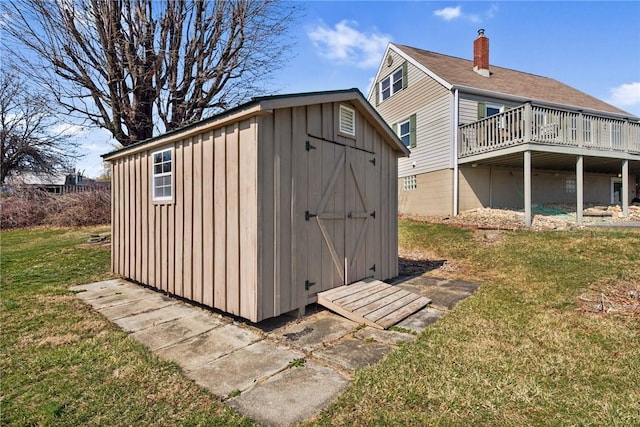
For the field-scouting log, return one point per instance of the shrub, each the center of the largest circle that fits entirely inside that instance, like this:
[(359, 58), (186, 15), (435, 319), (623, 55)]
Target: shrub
[(29, 208)]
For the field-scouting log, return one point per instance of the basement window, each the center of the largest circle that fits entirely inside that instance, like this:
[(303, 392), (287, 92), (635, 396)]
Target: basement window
[(347, 120), (410, 183), (570, 185), (163, 175)]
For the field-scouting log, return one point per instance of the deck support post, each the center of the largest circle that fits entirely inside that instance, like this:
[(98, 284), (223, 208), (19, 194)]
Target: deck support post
[(579, 188), (625, 187), (527, 188)]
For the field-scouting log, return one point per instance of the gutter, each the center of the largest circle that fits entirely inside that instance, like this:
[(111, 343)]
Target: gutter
[(521, 99)]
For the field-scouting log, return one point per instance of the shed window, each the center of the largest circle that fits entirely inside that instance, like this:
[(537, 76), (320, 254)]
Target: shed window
[(410, 183), (163, 175), (393, 83), (347, 120)]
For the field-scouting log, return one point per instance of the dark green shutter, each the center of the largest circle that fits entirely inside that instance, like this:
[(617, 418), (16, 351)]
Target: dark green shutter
[(377, 90), (482, 110), (412, 131), (405, 78)]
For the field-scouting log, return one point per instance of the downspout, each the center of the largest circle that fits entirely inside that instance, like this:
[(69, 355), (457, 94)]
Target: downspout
[(456, 183)]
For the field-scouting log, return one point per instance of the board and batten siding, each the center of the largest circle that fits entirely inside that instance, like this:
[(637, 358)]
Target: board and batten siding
[(203, 245), (431, 103), (235, 236), (292, 180)]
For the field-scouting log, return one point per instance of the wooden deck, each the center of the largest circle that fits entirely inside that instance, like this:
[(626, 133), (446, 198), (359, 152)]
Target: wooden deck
[(372, 302)]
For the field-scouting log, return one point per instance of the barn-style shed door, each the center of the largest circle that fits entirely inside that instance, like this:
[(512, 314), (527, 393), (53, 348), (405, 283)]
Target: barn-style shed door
[(341, 214)]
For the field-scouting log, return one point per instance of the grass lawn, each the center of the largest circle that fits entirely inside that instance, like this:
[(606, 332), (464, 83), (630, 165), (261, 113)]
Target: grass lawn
[(64, 364), (522, 351)]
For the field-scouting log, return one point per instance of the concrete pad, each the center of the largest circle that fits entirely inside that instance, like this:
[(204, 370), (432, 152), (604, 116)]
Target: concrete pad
[(441, 297), (352, 354), (421, 319), (384, 336), (174, 331), (103, 301), (209, 346), (149, 303), (151, 318), (460, 286), (315, 331), (243, 368), (292, 396), (105, 284)]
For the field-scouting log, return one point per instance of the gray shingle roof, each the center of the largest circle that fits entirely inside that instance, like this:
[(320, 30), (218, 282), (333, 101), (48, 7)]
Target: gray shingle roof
[(459, 72)]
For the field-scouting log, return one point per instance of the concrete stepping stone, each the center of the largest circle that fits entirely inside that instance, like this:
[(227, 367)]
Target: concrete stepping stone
[(292, 396), (149, 319), (209, 346), (315, 331), (243, 368), (174, 331), (352, 354), (421, 319)]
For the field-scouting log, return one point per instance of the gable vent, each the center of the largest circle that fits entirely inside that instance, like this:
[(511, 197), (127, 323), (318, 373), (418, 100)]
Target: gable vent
[(347, 120)]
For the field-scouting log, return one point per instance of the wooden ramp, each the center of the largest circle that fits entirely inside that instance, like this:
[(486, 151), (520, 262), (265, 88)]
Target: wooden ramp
[(372, 302)]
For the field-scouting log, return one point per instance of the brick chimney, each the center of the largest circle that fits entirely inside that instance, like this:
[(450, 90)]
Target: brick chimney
[(481, 54)]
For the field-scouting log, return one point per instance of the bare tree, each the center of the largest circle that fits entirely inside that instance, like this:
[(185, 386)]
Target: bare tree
[(33, 139), (135, 66)]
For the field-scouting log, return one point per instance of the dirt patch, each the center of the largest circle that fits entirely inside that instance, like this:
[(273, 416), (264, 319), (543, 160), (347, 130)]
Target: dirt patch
[(621, 298)]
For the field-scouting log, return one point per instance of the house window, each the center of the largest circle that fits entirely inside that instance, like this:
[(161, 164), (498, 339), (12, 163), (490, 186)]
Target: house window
[(347, 120), (570, 185), (406, 131), (488, 110), (163, 175), (409, 183), (492, 110), (393, 83)]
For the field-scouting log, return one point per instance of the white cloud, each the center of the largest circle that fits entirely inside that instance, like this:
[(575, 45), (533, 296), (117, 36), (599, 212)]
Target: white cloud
[(346, 44), (449, 13), (625, 95)]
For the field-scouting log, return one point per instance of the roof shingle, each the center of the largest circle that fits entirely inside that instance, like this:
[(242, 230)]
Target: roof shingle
[(458, 71)]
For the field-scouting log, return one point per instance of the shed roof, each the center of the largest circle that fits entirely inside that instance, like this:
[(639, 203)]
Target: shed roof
[(458, 72), (263, 104)]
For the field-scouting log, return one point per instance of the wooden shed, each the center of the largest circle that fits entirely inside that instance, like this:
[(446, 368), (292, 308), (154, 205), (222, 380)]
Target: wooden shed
[(256, 210)]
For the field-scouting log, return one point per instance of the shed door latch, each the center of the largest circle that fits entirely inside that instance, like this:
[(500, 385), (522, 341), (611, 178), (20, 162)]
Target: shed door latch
[(308, 284), (308, 146)]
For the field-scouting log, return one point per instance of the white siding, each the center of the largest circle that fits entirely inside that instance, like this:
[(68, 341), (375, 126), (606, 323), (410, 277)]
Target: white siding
[(431, 103)]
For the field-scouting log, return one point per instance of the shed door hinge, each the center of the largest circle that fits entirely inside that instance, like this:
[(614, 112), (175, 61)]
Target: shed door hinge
[(308, 284), (308, 216), (373, 268), (373, 214), (373, 161), (308, 146)]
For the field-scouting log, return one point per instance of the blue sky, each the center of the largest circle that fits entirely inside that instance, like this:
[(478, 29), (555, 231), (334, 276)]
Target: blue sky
[(591, 46)]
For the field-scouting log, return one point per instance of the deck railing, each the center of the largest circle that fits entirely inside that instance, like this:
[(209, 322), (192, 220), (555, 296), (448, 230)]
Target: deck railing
[(536, 124)]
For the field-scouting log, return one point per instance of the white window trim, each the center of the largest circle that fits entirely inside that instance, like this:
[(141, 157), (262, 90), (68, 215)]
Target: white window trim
[(408, 134), (154, 175), (391, 82)]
